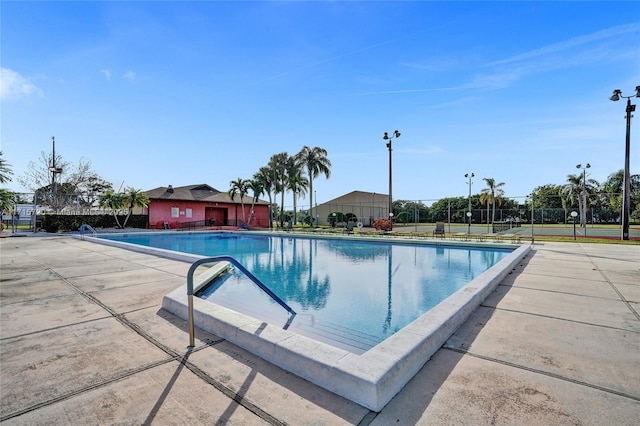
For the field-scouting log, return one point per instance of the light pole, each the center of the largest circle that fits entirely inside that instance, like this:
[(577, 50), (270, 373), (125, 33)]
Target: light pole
[(583, 195), (373, 207), (53, 169), (626, 196), (395, 134), (573, 215), (469, 175)]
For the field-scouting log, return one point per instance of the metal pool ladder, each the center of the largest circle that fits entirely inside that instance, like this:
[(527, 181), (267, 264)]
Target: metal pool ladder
[(238, 265), (89, 228)]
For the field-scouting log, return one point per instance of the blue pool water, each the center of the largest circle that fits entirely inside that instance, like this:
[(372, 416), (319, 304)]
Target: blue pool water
[(349, 293)]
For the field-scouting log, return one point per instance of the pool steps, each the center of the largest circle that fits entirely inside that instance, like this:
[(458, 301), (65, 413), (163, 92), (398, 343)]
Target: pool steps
[(370, 379)]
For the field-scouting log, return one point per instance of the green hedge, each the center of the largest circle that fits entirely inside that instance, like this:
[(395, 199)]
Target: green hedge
[(69, 223)]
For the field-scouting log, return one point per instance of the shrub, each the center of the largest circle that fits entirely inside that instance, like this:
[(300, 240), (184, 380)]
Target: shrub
[(68, 223), (383, 225), (335, 217)]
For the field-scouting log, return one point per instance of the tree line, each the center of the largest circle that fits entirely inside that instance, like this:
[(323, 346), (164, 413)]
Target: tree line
[(579, 192), (52, 190), (282, 174), (294, 174)]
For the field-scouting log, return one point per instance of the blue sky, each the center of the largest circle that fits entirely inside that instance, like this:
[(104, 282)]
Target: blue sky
[(180, 92)]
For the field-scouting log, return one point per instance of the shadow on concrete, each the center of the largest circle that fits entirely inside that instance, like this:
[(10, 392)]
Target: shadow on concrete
[(351, 412), (167, 389)]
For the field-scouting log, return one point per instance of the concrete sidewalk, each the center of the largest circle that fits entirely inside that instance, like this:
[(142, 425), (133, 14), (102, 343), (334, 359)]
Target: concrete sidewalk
[(83, 340)]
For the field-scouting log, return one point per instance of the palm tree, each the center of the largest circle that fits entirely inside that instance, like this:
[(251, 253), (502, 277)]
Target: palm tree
[(134, 198), (278, 164), (296, 183), (577, 187), (7, 201), (485, 197), (239, 187), (266, 179), (566, 202), (316, 162), (495, 193), (613, 189), (5, 170), (257, 188), (113, 201)]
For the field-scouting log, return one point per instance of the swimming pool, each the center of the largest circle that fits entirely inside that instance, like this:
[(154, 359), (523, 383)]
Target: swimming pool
[(351, 294), (370, 379)]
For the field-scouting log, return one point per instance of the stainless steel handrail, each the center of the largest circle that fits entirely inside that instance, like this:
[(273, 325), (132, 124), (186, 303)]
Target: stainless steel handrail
[(86, 226), (237, 264)]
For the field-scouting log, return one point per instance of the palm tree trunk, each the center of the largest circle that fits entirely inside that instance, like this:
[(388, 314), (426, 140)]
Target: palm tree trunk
[(583, 219), (581, 209), (487, 215), (270, 210), (312, 221), (493, 213), (295, 205), (115, 216), (282, 209), (253, 204), (126, 219)]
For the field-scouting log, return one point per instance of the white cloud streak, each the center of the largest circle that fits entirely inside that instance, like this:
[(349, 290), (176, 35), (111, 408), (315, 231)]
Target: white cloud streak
[(15, 86), (616, 31)]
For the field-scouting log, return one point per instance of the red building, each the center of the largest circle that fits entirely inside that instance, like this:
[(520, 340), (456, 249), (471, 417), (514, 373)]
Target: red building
[(202, 205)]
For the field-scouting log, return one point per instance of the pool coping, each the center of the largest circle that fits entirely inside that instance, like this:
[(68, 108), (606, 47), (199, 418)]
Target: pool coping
[(371, 379)]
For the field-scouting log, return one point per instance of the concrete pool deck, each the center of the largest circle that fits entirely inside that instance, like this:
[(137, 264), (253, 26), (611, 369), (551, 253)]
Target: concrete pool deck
[(84, 340)]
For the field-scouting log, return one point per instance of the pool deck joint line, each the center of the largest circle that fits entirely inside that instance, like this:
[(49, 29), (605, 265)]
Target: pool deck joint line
[(556, 342), (371, 379)]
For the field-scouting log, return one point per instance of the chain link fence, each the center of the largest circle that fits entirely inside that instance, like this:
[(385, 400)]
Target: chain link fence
[(602, 210), (522, 215)]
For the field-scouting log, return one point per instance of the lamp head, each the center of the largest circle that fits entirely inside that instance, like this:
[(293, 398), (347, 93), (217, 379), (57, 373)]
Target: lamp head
[(386, 135), (579, 166), (637, 91), (397, 133), (616, 95), (588, 165)]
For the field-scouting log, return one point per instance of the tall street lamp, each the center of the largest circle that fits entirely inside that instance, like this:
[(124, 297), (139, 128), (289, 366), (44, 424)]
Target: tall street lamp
[(469, 175), (395, 134), (626, 199), (53, 168), (583, 195)]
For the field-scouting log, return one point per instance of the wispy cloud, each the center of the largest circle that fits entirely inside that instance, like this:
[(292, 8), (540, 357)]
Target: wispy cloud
[(427, 89), (15, 86), (106, 73), (434, 64), (497, 80), (505, 72), (129, 76), (616, 31)]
